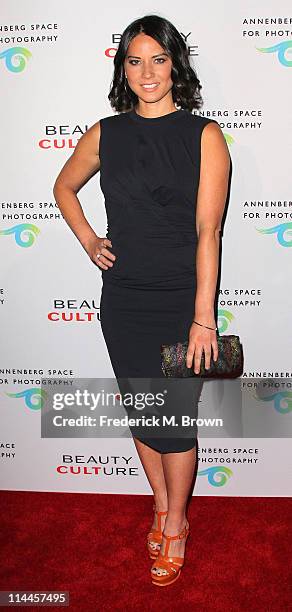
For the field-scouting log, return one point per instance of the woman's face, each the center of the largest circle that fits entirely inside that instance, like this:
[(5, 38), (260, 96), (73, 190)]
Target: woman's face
[(147, 63)]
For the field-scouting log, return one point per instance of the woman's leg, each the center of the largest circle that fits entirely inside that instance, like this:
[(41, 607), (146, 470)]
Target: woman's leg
[(170, 476), (179, 471), (152, 464)]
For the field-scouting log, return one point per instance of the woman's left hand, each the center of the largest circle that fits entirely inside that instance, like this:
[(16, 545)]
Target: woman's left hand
[(201, 339)]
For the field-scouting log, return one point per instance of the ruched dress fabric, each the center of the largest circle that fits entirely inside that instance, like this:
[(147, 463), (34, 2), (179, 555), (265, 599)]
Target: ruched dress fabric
[(149, 175)]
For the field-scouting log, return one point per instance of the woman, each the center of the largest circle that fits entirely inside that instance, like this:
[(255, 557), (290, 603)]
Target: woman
[(164, 174)]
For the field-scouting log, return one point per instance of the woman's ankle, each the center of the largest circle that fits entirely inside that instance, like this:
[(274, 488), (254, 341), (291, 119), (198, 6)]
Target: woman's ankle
[(175, 523), (160, 501)]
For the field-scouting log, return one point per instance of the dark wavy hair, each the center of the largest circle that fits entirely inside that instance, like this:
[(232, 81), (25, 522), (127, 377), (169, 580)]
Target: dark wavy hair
[(186, 85)]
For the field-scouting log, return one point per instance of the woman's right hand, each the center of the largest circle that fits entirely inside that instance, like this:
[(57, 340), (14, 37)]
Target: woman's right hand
[(99, 253)]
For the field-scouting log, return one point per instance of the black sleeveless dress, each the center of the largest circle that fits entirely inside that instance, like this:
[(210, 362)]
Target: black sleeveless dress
[(149, 175)]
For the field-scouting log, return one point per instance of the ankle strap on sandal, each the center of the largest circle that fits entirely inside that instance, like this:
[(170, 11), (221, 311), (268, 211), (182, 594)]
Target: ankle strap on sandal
[(180, 535)]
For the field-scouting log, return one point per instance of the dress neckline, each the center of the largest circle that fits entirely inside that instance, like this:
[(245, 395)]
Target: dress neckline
[(162, 118)]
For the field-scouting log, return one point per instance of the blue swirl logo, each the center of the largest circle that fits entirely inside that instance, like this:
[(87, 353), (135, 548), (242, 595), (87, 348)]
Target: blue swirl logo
[(282, 401), (16, 58), (34, 398), (224, 318), (28, 230), (281, 49), (217, 475), (280, 230)]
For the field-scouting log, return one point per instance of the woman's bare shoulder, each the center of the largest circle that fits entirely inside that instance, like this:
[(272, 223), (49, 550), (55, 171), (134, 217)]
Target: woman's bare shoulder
[(90, 139), (92, 135), (213, 141)]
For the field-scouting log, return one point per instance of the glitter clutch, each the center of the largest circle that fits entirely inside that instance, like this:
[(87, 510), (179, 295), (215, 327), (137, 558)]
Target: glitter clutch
[(229, 363)]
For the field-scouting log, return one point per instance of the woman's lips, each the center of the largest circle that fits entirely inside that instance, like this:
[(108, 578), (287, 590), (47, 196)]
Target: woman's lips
[(150, 87)]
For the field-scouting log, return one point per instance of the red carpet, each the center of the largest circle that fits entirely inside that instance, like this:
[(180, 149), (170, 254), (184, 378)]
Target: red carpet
[(93, 546)]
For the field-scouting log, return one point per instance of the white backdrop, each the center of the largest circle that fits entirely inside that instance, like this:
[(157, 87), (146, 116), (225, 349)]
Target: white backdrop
[(56, 65)]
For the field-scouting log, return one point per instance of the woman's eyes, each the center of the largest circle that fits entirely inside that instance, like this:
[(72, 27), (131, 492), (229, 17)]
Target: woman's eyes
[(160, 60)]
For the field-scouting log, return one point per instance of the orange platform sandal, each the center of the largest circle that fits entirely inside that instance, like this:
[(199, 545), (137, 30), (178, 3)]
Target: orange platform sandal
[(154, 537), (166, 570)]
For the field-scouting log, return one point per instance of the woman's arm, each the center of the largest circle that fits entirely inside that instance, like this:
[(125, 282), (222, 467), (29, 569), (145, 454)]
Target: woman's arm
[(77, 170), (212, 192)]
